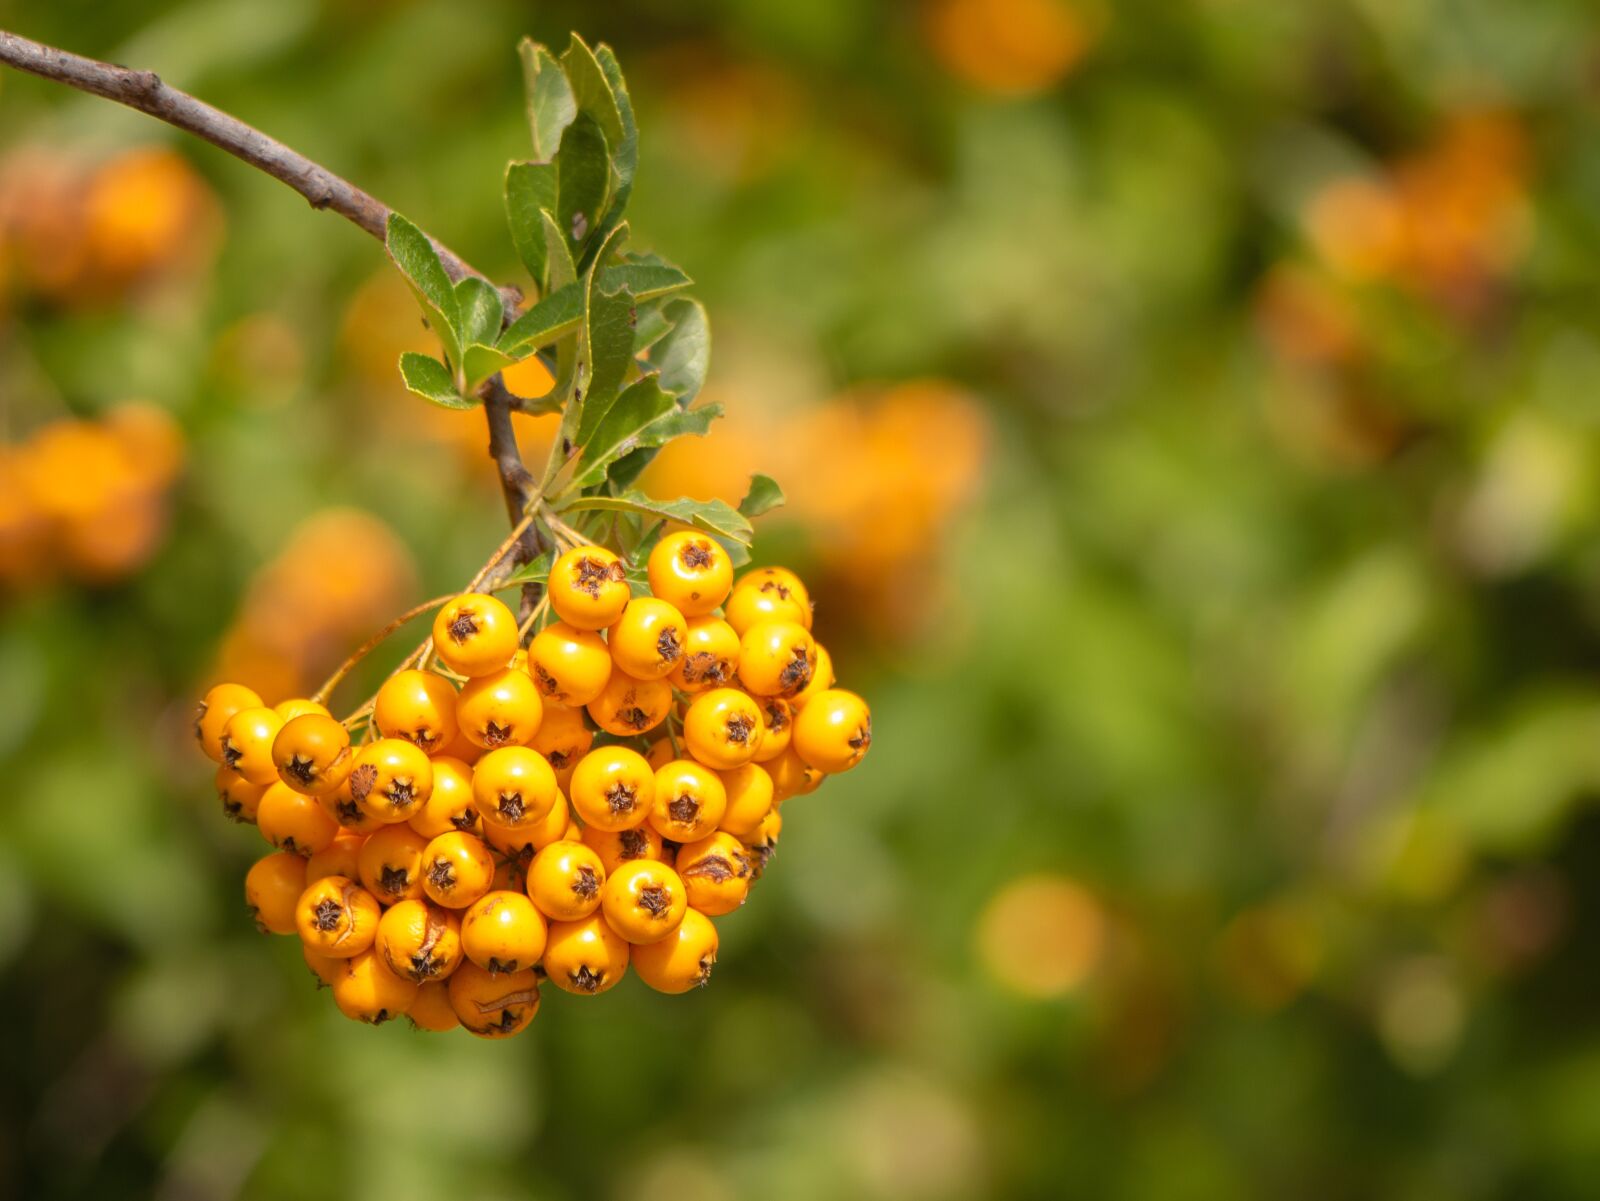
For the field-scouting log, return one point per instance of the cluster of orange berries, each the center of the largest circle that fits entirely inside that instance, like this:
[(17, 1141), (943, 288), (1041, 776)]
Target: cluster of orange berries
[(557, 812), (87, 498)]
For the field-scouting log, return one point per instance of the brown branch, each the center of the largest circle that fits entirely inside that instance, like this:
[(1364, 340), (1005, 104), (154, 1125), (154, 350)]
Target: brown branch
[(144, 91)]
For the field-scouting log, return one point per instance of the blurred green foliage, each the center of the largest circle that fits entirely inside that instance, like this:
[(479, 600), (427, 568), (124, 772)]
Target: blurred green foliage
[(1271, 643)]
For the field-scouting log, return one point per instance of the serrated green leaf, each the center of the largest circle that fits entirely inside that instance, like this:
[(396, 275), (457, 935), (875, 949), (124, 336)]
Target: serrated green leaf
[(548, 96), (624, 151), (560, 312), (762, 496), (683, 355), (536, 572), (419, 262), (713, 516), (431, 380), (591, 90), (610, 331), (479, 310), (530, 187), (583, 179)]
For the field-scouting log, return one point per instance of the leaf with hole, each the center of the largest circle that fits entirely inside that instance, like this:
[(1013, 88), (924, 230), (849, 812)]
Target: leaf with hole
[(583, 180)]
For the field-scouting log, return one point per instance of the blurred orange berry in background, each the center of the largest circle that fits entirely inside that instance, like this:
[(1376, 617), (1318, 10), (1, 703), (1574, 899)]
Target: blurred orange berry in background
[(1010, 47), (341, 573), (88, 498), (1041, 936), (79, 233)]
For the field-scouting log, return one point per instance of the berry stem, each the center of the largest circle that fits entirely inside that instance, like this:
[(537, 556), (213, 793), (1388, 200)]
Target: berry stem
[(371, 644)]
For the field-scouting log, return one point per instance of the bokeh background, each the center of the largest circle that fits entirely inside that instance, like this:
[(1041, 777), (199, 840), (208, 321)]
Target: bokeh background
[(1190, 414)]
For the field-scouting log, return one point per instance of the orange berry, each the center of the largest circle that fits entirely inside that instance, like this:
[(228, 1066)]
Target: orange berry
[(716, 873), (613, 788), (419, 706), (500, 709), (690, 571), (563, 739), (369, 992), (682, 960), (690, 801), (341, 857), (420, 942), (475, 634), (616, 847), (627, 706), (431, 1010), (271, 887), (643, 901), (312, 753), (821, 680), (246, 743), (776, 658), (300, 706), (391, 780), (513, 787), (710, 655), (336, 917), (722, 728), (569, 665), (213, 712), (449, 805), (749, 790), (585, 957), (564, 880), (240, 798), (777, 726), (503, 932), (791, 776), (646, 642), (292, 821), (833, 731), (755, 601), (391, 863), (588, 587), (457, 869), (494, 1005)]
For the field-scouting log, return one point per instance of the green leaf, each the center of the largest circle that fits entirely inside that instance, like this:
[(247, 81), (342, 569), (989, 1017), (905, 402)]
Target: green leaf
[(713, 516), (479, 362), (431, 380), (683, 355), (479, 310), (536, 572), (592, 91), (610, 329), (548, 95), (763, 496), (530, 187), (624, 150), (650, 325), (583, 179), (575, 356), (643, 418), (419, 262), (560, 312)]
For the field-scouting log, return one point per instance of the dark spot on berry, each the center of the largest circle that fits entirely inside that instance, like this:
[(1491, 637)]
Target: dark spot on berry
[(494, 735), (442, 873), (302, 769), (362, 779), (716, 868), (777, 716), (586, 981), (496, 966), (510, 806), (348, 812), (667, 644), (463, 627), (558, 759), (394, 880), (796, 673), (288, 844), (401, 793), (423, 740), (423, 965), (230, 753), (683, 809), (622, 798), (740, 727), (655, 900), (695, 555), (587, 886), (594, 573), (702, 667), (546, 681), (862, 738), (774, 586), (327, 915), (466, 820), (633, 843), (634, 717), (703, 978)]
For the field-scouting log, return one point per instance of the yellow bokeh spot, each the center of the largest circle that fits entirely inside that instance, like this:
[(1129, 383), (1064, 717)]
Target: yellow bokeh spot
[(1041, 936), (1010, 47)]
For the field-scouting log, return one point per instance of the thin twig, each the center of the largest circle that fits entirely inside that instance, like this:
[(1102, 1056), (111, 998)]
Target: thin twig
[(366, 648)]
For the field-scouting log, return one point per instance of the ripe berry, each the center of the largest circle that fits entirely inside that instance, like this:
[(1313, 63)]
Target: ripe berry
[(513, 787), (643, 901), (493, 1006), (777, 727), (563, 739), (449, 805), (500, 709), (722, 728), (589, 587), (791, 776), (749, 790), (369, 992), (474, 634), (776, 658), (754, 602), (336, 917), (299, 706), (341, 857), (564, 881), (833, 731), (503, 932), (247, 743), (419, 941), (646, 642), (431, 1009), (691, 571), (553, 827), (627, 706), (821, 680), (391, 780), (341, 805), (710, 655), (682, 960), (457, 869), (240, 798), (783, 583), (764, 842), (213, 712), (716, 873), (312, 753), (292, 821), (391, 863), (690, 801), (325, 968), (585, 957), (569, 665), (419, 706), (616, 847), (271, 887), (613, 788)]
